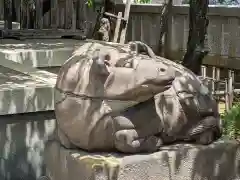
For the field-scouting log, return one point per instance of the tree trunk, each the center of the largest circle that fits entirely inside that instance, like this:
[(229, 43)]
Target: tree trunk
[(198, 24), (166, 18)]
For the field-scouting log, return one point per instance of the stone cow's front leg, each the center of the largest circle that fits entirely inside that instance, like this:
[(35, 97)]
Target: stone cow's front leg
[(133, 141), (136, 129)]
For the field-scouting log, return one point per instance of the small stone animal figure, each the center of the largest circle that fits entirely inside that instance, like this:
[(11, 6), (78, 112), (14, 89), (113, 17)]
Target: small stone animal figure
[(138, 108), (103, 33)]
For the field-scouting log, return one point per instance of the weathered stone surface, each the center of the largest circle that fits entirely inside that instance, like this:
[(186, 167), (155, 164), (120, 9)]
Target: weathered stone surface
[(161, 101), (36, 53), (24, 89), (22, 144), (15, 25), (218, 161)]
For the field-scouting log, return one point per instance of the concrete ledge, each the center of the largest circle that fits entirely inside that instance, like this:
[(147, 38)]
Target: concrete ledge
[(219, 161), (38, 53), (15, 25), (25, 89)]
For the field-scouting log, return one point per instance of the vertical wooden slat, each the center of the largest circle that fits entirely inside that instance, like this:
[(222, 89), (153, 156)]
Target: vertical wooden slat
[(230, 88), (145, 29), (68, 14), (226, 95), (80, 14), (7, 14), (54, 15), (155, 40), (177, 33), (74, 15), (126, 17), (117, 28), (213, 79), (204, 71), (129, 30), (39, 18), (1, 9)]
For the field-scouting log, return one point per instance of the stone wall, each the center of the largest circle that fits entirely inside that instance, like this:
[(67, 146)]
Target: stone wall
[(22, 144)]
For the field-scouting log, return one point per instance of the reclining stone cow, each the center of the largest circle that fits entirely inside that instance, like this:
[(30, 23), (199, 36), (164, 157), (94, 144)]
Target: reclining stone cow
[(110, 97)]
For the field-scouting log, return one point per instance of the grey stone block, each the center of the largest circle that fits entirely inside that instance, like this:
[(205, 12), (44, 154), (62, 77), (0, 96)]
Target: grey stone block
[(38, 53), (21, 92), (218, 161), (15, 25)]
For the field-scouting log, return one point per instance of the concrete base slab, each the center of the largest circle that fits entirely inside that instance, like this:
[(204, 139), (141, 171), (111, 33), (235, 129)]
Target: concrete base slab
[(21, 93), (219, 161), (15, 25), (38, 53)]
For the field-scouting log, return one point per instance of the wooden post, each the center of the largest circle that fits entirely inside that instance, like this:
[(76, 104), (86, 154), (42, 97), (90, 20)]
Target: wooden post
[(230, 88), (226, 95), (117, 28), (126, 17), (213, 78), (203, 69)]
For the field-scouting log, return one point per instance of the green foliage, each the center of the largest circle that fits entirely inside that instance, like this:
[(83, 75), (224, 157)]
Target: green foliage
[(90, 3), (231, 122)]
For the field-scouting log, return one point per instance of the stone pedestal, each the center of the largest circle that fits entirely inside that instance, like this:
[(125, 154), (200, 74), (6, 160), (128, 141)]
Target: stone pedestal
[(219, 161), (24, 89), (38, 53)]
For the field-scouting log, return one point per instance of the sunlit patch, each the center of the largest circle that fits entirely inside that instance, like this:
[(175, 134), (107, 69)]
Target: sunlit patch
[(204, 90)]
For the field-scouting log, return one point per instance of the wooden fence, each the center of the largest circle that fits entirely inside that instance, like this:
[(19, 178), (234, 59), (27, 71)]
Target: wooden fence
[(223, 32), (71, 14)]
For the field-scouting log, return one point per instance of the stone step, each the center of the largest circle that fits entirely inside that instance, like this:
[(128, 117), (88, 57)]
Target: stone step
[(218, 161), (21, 93), (25, 89), (38, 52)]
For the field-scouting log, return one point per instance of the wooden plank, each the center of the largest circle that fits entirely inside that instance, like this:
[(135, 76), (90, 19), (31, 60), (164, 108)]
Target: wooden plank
[(215, 35), (8, 14), (54, 15), (68, 14), (126, 17), (136, 23), (230, 88), (1, 10), (117, 28), (178, 33), (214, 78), (155, 40), (39, 15), (129, 29), (226, 95), (145, 29), (74, 15)]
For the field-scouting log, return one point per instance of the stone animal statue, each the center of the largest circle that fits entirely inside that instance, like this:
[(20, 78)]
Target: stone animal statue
[(108, 97)]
